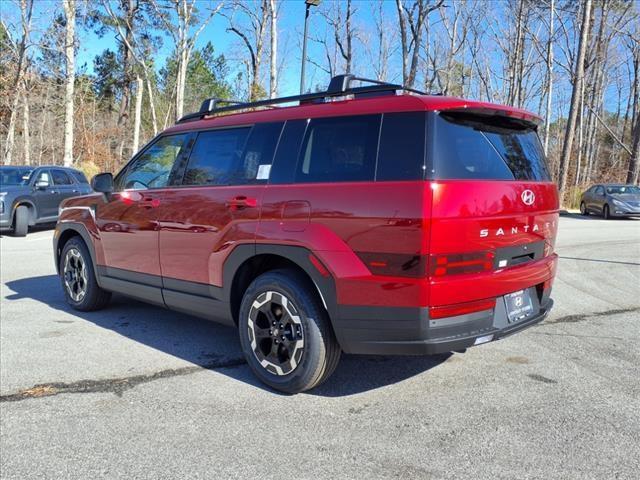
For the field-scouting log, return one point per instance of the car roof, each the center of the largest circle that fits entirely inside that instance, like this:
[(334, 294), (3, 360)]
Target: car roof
[(354, 106)]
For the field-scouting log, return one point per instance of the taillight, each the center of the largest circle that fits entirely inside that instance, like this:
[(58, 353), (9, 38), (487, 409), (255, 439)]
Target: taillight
[(395, 264), (462, 308), (458, 263)]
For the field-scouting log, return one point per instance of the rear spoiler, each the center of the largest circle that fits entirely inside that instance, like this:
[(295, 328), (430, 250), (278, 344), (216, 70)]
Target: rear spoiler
[(513, 114)]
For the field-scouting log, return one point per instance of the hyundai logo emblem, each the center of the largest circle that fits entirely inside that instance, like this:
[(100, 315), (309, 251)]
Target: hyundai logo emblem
[(528, 197)]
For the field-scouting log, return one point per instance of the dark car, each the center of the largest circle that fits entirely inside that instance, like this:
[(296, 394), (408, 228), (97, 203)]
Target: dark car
[(31, 195), (611, 200), (383, 223)]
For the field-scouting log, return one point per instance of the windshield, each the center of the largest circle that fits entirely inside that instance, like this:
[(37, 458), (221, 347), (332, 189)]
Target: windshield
[(14, 176), (623, 189)]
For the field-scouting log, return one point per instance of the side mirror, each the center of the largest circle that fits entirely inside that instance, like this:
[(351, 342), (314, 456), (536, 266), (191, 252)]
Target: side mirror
[(103, 182), (42, 184)]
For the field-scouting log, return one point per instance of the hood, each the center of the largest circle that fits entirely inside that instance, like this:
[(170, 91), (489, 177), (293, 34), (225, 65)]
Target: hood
[(626, 197), (13, 189)]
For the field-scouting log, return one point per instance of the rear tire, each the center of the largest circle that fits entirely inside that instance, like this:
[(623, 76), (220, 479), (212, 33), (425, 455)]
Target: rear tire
[(21, 221), (285, 332), (78, 278), (605, 212), (583, 209)]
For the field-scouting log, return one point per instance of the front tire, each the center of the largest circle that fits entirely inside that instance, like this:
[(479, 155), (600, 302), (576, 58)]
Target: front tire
[(583, 209), (21, 221), (605, 212), (78, 278), (285, 332)]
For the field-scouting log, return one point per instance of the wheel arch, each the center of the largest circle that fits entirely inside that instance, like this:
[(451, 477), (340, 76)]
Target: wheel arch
[(247, 262), (66, 232), (26, 202)]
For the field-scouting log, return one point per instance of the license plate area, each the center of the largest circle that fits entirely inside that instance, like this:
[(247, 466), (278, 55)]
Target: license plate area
[(519, 305)]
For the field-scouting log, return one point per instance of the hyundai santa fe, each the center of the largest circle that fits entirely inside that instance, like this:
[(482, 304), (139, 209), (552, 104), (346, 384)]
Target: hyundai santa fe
[(365, 219)]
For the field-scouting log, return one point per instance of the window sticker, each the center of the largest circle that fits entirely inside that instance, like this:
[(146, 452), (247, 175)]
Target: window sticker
[(263, 172)]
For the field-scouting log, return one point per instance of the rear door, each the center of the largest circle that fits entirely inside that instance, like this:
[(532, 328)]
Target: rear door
[(494, 206), (64, 184), (216, 207)]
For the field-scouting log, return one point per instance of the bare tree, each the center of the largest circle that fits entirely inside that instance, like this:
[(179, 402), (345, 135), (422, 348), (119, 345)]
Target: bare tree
[(70, 78), (411, 20), (578, 78), (185, 33), (252, 37), (19, 51)]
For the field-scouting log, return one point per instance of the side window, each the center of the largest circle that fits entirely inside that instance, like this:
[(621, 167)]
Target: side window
[(60, 177), (258, 155), (599, 191), (43, 176), (153, 167), (216, 157), (340, 149), (79, 176), (284, 162), (401, 151)]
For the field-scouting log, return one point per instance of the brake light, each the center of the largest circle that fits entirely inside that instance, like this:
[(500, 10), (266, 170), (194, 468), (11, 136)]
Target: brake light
[(458, 263), (462, 308)]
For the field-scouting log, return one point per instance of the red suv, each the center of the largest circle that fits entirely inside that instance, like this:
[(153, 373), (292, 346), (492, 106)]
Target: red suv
[(366, 219)]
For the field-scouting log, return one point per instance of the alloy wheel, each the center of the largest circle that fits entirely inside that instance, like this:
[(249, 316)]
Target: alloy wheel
[(75, 275), (276, 333)]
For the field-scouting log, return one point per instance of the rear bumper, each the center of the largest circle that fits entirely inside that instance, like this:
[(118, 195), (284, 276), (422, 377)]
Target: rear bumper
[(396, 331)]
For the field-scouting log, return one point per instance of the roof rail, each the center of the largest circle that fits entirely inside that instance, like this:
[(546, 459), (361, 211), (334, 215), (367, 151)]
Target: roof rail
[(338, 86)]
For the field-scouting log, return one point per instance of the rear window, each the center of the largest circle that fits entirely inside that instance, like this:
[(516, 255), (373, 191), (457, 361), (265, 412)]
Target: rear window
[(487, 148)]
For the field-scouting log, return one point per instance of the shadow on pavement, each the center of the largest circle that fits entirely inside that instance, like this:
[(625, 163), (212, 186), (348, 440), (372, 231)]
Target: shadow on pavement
[(210, 345)]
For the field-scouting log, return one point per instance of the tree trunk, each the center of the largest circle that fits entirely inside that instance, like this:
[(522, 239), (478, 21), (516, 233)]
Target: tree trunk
[(634, 165), (547, 115), (25, 127), (70, 76), (575, 100), (273, 77), (137, 115)]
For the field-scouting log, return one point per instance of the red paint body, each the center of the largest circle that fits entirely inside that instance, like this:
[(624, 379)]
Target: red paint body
[(187, 233)]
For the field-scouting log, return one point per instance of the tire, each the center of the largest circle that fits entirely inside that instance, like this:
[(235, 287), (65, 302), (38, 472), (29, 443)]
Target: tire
[(298, 354), (583, 209), (21, 221), (605, 212), (78, 278)]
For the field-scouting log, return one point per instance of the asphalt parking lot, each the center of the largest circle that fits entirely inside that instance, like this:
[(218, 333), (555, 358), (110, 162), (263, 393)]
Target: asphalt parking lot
[(136, 391)]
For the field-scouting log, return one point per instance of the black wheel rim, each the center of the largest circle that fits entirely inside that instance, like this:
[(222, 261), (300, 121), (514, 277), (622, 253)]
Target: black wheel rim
[(75, 275), (276, 333)]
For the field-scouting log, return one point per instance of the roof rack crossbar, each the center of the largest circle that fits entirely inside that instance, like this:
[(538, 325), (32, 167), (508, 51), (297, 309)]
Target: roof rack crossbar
[(340, 85)]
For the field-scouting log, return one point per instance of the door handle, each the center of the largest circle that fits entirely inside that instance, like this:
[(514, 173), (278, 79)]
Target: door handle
[(240, 202), (149, 203)]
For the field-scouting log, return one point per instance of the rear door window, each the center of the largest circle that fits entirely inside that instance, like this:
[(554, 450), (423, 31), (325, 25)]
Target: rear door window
[(255, 165), (340, 149), (488, 148), (60, 177), (216, 157), (286, 157)]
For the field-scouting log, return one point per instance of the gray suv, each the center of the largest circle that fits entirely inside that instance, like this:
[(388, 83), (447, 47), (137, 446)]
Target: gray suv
[(611, 200), (31, 195)]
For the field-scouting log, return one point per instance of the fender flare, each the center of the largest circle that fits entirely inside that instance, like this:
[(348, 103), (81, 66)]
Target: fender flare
[(79, 229), (24, 200), (298, 255)]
